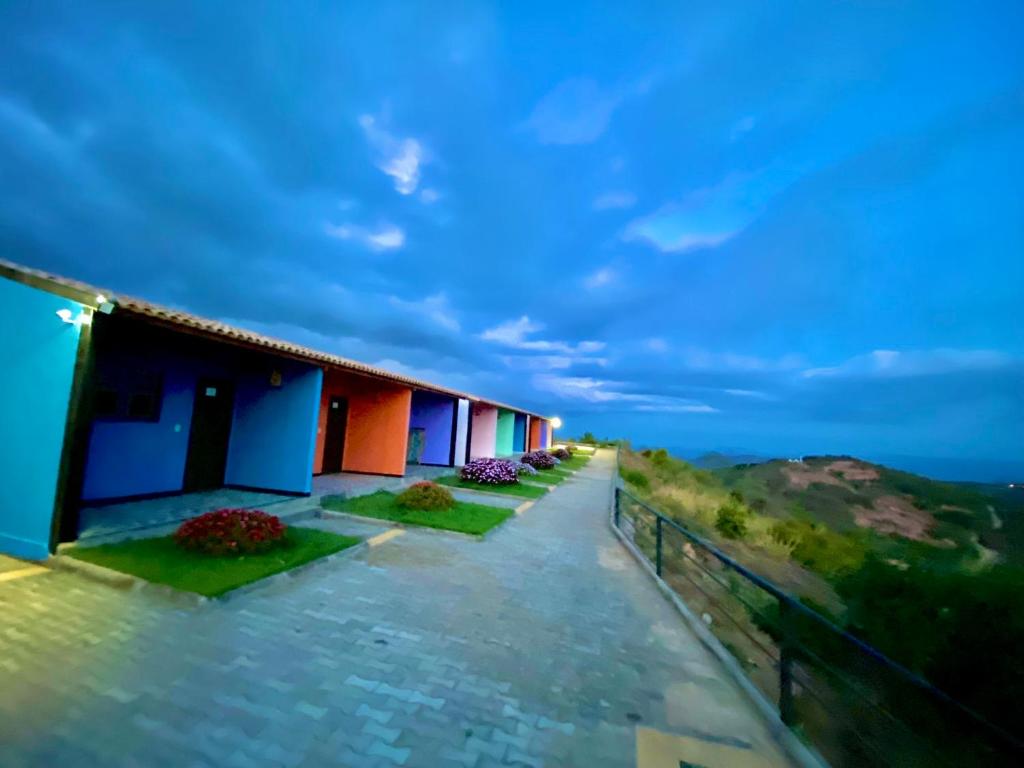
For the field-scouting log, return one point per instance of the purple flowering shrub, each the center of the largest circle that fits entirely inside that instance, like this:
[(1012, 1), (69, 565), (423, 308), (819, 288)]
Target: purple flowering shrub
[(525, 469), (491, 472), (539, 459)]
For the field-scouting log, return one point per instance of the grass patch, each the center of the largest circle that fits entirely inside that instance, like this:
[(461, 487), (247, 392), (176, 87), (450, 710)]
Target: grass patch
[(161, 561), (576, 462), (522, 490), (464, 517), (545, 477)]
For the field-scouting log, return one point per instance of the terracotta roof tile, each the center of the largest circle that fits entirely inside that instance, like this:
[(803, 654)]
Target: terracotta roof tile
[(87, 294)]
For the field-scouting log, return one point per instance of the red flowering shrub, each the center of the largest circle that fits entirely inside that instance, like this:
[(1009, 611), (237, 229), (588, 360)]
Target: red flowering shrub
[(562, 454), (539, 459), (425, 495), (230, 532), (491, 472)]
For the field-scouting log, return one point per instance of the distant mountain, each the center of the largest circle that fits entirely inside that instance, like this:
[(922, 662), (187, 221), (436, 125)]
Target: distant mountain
[(848, 494), (720, 460)]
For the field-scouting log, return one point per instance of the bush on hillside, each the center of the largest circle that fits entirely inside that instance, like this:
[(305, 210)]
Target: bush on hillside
[(539, 459), (491, 472), (636, 478), (426, 496), (231, 532), (731, 520)]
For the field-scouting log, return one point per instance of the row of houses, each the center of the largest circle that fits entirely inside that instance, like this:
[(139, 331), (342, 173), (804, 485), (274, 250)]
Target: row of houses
[(113, 398)]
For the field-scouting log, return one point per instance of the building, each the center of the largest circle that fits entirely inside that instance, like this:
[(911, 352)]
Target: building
[(112, 399)]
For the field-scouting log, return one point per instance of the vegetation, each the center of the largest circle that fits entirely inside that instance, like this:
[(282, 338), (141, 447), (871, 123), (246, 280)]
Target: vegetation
[(928, 572), (490, 472), (461, 516), (731, 520), (425, 496), (230, 532), (524, 490), (539, 459), (163, 561)]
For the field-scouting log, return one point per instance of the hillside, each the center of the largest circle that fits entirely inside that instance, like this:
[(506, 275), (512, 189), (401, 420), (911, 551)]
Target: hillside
[(951, 522), (927, 571)]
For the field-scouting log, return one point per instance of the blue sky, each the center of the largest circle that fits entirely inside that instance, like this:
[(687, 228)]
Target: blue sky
[(782, 227)]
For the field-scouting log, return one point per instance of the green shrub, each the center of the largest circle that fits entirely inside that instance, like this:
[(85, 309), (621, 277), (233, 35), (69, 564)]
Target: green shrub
[(636, 478), (425, 496), (731, 520), (822, 550)]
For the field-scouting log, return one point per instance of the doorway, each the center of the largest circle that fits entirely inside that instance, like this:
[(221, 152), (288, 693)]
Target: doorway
[(212, 412), (334, 435)]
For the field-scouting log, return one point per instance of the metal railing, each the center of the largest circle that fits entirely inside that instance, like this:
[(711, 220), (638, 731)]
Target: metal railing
[(854, 705)]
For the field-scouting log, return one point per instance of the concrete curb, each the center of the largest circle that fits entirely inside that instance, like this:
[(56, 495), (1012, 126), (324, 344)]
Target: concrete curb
[(800, 753)]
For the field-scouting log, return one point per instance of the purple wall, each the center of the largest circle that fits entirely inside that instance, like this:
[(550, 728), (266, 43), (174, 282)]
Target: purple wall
[(434, 414)]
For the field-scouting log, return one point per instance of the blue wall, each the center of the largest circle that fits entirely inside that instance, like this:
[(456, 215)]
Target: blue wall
[(433, 413), (272, 436), (519, 433), (38, 351)]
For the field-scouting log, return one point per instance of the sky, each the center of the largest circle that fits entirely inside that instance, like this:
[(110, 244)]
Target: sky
[(781, 228)]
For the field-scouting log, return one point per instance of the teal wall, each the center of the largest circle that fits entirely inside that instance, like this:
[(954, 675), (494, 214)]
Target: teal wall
[(38, 351), (503, 443)]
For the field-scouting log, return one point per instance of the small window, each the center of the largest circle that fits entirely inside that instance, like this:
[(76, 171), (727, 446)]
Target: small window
[(135, 396)]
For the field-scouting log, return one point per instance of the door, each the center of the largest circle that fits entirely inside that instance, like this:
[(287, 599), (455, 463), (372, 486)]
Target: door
[(417, 442), (334, 436), (208, 439)]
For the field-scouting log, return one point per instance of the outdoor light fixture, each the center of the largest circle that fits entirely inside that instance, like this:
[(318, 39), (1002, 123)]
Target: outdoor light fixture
[(64, 315), (556, 423), (101, 299)]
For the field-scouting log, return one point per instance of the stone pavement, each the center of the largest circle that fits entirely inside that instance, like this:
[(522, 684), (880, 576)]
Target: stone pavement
[(543, 644)]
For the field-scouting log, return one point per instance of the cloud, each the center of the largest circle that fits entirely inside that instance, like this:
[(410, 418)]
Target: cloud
[(753, 394), (397, 157), (513, 333), (888, 363), (577, 111), (550, 362), (386, 237), (600, 391), (434, 308), (614, 200), (709, 217), (599, 278), (656, 345), (696, 358)]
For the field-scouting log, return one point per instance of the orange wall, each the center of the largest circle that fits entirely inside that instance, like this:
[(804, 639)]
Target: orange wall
[(377, 434), (535, 427)]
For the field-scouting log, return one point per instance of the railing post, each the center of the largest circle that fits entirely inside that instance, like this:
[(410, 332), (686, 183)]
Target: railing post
[(618, 501), (787, 710), (657, 550)]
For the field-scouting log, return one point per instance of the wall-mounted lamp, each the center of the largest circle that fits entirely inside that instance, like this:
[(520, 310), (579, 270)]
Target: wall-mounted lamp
[(64, 315), (556, 423)]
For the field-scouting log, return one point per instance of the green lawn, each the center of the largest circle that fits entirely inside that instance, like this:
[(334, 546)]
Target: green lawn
[(162, 561), (464, 517), (576, 462), (522, 490), (546, 477)]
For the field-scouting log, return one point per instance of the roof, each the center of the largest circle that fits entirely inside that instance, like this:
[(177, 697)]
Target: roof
[(89, 295)]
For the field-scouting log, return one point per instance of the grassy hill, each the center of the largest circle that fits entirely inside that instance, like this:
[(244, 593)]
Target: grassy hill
[(927, 571)]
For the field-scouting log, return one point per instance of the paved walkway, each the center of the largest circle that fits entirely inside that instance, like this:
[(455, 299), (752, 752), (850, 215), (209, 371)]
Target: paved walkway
[(543, 644)]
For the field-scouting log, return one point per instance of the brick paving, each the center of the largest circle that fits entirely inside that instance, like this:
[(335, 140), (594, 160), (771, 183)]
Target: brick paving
[(543, 644)]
